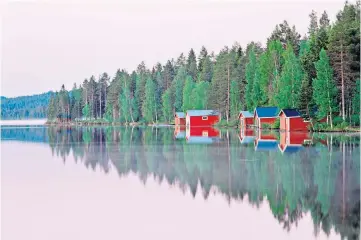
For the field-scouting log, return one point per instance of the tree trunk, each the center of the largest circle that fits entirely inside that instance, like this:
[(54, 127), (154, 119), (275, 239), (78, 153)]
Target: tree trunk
[(100, 102), (342, 85), (228, 107)]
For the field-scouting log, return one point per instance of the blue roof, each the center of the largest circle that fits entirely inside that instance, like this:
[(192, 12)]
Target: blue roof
[(202, 112), (266, 145), (202, 140), (267, 111), (291, 112), (180, 114), (246, 114)]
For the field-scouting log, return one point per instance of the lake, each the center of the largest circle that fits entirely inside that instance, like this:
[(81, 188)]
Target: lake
[(177, 183)]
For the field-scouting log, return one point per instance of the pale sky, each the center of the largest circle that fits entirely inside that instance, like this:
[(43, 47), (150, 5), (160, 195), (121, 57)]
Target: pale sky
[(48, 43)]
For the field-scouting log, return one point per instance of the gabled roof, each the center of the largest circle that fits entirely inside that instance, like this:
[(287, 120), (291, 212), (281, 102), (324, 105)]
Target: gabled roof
[(245, 114), (290, 112), (266, 111), (180, 114), (202, 113)]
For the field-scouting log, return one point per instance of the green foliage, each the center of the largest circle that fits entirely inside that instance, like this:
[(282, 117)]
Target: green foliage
[(199, 95), (288, 94), (149, 106), (251, 69), (187, 94), (86, 111), (235, 96), (324, 89), (178, 85), (25, 107), (167, 106)]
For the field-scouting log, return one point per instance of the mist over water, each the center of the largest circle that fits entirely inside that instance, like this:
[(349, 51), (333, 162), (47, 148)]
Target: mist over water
[(177, 183)]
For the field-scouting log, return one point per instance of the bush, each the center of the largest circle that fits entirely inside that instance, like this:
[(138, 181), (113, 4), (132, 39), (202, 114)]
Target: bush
[(355, 119), (337, 120), (319, 126), (342, 126)]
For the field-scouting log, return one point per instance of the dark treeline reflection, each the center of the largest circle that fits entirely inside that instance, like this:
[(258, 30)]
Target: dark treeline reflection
[(294, 173)]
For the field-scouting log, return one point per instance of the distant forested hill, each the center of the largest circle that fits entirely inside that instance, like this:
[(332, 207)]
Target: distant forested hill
[(25, 107)]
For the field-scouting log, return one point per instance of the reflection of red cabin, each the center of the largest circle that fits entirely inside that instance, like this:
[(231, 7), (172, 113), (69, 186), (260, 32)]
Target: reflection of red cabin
[(179, 118), (293, 141), (291, 120), (202, 134), (265, 115), (265, 140), (202, 117), (245, 118), (246, 135), (179, 131)]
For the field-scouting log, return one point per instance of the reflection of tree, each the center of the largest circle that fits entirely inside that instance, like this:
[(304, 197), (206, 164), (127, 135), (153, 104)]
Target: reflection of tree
[(323, 180)]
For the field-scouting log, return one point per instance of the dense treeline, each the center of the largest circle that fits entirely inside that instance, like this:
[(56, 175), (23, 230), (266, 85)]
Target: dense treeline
[(25, 107), (318, 74)]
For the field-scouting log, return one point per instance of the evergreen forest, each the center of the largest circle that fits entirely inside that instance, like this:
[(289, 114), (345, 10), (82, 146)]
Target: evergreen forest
[(318, 73)]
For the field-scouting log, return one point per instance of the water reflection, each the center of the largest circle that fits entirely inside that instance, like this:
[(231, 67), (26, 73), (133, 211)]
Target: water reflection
[(295, 173)]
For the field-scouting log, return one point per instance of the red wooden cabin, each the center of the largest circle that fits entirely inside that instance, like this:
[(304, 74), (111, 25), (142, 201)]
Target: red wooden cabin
[(197, 118), (291, 120), (245, 119), (179, 118), (263, 115)]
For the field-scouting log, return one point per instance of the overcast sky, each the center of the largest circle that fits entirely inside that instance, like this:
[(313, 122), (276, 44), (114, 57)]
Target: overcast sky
[(48, 43)]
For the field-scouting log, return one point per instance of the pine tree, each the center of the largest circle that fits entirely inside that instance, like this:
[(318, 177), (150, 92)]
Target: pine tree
[(167, 106), (192, 65), (324, 89), (149, 104), (140, 83), (250, 76), (178, 85), (199, 95), (288, 94), (313, 28), (235, 96), (270, 65), (187, 94)]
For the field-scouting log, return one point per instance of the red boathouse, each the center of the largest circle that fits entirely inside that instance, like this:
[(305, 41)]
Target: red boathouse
[(179, 118), (265, 115), (198, 118), (291, 120), (245, 119)]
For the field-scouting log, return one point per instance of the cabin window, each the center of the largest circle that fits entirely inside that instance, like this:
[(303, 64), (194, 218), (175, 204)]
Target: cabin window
[(204, 117), (205, 133)]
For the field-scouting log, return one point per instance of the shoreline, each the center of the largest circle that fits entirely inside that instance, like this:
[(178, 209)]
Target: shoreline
[(107, 124)]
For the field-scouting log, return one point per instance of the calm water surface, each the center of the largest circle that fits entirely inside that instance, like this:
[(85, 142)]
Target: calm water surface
[(172, 183)]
